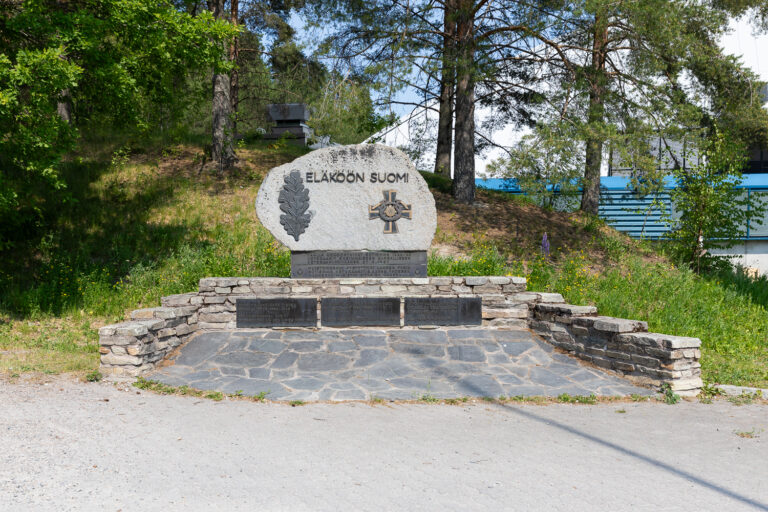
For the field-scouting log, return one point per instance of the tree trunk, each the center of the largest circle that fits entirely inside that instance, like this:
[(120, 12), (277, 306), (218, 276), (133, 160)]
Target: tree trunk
[(234, 85), (464, 149), (590, 197), (447, 84), (222, 151), (64, 106)]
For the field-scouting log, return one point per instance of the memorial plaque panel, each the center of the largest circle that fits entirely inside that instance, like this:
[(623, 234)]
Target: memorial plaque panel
[(276, 312), (331, 264), (443, 311), (348, 311)]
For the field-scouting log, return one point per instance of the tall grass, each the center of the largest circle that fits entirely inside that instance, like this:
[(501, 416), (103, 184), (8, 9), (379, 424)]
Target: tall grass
[(484, 260), (733, 328), (755, 287)]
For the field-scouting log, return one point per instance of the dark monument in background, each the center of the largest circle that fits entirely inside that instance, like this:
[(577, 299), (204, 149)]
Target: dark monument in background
[(291, 119)]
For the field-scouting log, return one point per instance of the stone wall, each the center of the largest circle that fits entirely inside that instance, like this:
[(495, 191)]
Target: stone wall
[(624, 346), (505, 302), (134, 347)]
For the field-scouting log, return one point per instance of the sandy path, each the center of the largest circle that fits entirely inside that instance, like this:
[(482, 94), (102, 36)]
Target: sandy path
[(73, 446)]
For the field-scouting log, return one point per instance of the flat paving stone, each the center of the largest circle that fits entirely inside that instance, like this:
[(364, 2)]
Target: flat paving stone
[(258, 373), (200, 348), (285, 360), (370, 356), (480, 385), (304, 383), (516, 348), (419, 349), (321, 362), (341, 346), (396, 364), (420, 336), (472, 353), (306, 346), (470, 334), (370, 341), (242, 358), (271, 346), (350, 394)]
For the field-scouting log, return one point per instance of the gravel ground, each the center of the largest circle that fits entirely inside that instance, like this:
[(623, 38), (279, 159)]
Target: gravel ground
[(68, 445)]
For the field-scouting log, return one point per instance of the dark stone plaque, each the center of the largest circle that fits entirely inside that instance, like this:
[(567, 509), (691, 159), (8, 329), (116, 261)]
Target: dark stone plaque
[(338, 312), (443, 311), (276, 312), (330, 264)]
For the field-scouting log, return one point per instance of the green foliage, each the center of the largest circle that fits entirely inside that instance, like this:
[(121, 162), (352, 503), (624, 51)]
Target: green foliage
[(261, 396), (668, 395), (709, 391), (34, 136), (745, 397), (565, 398), (106, 254), (69, 283), (344, 111), (484, 260), (154, 385), (545, 164), (111, 62), (437, 182), (93, 376), (743, 283), (713, 212)]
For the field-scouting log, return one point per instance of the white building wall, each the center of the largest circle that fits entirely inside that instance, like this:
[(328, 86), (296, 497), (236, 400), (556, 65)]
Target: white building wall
[(752, 254)]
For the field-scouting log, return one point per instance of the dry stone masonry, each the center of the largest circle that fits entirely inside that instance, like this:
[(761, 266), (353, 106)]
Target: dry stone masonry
[(624, 346), (135, 347)]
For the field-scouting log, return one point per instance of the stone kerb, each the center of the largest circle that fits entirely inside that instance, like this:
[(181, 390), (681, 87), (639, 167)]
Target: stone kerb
[(621, 345)]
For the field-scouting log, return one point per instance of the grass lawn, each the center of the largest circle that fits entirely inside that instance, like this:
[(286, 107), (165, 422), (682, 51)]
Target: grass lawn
[(143, 224)]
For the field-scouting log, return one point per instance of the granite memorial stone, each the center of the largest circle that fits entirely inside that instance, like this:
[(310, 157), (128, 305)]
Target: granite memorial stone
[(366, 197)]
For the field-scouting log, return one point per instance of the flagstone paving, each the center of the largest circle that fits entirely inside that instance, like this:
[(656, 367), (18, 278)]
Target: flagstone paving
[(398, 364)]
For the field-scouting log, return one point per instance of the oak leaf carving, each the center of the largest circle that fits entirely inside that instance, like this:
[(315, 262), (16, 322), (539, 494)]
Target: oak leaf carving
[(294, 202)]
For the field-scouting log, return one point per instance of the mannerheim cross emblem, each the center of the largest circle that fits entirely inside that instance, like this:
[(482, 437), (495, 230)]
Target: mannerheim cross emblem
[(390, 210)]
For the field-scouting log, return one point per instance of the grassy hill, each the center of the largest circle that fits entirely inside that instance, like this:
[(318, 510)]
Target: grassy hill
[(143, 223)]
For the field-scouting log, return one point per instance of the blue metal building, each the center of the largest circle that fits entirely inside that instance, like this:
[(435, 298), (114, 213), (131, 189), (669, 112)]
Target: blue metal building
[(641, 217)]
